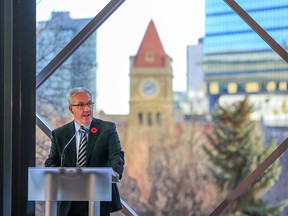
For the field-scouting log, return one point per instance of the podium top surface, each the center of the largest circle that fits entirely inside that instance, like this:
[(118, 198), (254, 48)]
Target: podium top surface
[(69, 184)]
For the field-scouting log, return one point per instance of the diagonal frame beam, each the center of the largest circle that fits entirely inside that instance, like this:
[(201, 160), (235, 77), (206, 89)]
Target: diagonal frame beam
[(76, 42), (258, 29), (253, 177), (40, 122)]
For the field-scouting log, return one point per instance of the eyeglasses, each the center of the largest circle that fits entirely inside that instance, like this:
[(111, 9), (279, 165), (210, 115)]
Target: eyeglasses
[(81, 106)]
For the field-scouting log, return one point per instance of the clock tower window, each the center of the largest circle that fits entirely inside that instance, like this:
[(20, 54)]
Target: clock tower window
[(158, 118), (149, 57), (149, 119), (140, 118)]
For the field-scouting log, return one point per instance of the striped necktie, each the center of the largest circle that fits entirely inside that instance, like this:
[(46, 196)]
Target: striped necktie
[(81, 162)]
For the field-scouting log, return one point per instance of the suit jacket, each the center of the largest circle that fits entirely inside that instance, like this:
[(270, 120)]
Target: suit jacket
[(103, 150)]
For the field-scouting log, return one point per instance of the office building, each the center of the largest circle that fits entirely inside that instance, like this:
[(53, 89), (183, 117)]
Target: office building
[(195, 93), (238, 62)]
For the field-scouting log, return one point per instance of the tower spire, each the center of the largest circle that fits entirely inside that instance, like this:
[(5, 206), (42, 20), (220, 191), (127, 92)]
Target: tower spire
[(151, 52)]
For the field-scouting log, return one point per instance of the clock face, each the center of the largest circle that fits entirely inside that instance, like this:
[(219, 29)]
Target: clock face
[(149, 88)]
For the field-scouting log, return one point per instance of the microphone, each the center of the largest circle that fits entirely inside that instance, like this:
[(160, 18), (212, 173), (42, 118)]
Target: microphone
[(63, 155)]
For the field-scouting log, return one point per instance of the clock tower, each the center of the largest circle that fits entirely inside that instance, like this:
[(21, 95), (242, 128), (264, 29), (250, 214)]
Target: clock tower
[(151, 94)]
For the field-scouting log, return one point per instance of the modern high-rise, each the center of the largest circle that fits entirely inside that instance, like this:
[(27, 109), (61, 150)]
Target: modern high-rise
[(195, 96), (194, 66), (237, 61)]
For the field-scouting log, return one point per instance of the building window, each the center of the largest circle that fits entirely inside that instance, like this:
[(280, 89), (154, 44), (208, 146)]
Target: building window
[(271, 86), (232, 88), (140, 118), (149, 119), (282, 86), (214, 88), (252, 87), (158, 118), (149, 57)]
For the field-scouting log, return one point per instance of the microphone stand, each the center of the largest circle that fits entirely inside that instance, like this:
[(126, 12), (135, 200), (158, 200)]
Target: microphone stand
[(63, 155)]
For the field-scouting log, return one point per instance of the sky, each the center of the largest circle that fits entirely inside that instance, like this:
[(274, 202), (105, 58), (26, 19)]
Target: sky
[(179, 23)]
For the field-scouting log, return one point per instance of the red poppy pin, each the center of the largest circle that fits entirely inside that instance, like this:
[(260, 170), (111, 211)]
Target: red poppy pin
[(93, 130)]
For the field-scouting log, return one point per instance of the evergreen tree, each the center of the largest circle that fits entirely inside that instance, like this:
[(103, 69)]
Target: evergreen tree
[(236, 150)]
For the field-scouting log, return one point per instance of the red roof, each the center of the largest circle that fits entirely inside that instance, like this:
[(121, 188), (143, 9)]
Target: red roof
[(151, 52)]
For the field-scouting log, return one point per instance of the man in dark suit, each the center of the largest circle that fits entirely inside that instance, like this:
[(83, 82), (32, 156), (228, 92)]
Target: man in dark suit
[(102, 150)]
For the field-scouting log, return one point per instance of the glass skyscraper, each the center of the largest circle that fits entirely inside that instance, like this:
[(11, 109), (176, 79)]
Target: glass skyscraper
[(237, 61)]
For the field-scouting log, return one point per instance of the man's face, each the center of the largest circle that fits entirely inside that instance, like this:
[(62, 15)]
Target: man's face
[(83, 111)]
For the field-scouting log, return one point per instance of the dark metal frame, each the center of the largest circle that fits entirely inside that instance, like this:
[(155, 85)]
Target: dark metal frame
[(17, 138)]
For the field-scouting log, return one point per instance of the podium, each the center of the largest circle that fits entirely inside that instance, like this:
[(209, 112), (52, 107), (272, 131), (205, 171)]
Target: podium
[(51, 184)]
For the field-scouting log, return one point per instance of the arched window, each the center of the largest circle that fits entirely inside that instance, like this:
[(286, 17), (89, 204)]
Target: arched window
[(158, 118), (140, 118), (149, 119)]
